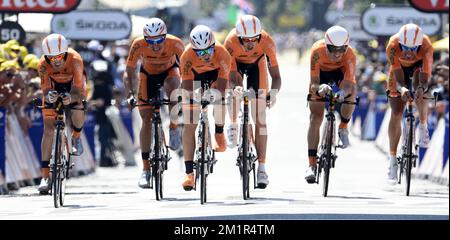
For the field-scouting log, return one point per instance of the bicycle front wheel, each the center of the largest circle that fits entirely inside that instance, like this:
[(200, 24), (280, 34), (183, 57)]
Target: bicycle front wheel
[(409, 158), (203, 166), (56, 174), (244, 162), (327, 160)]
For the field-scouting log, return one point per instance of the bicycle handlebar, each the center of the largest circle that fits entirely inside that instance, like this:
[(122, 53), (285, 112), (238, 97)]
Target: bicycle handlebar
[(331, 98)]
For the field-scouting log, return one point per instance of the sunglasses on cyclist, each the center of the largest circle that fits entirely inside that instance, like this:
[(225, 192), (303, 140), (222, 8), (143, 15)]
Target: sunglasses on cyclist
[(153, 41), (336, 49), (248, 40), (409, 49), (59, 57), (204, 52)]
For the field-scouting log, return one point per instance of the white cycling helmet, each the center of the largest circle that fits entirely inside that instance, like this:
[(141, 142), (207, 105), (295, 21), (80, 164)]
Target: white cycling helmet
[(248, 26), (155, 27), (202, 37), (337, 36), (54, 44), (410, 35)]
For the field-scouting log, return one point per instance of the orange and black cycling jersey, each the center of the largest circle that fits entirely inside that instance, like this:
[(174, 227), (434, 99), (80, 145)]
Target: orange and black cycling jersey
[(321, 62), (71, 73), (191, 64), (265, 46), (155, 62), (397, 58)]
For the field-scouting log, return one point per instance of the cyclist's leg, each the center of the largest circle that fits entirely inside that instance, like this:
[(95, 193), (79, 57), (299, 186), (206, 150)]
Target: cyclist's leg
[(421, 79), (233, 109), (219, 114), (190, 120), (171, 83), (346, 111), (146, 116), (397, 107), (77, 117), (315, 121), (46, 147)]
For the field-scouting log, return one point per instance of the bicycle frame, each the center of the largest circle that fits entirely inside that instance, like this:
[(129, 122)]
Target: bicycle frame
[(205, 160), (327, 156), (160, 151), (408, 158)]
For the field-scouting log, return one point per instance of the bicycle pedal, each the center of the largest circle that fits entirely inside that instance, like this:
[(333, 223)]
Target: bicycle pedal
[(188, 189)]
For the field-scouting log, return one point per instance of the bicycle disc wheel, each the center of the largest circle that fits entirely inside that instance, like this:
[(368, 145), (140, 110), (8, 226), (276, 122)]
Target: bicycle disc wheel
[(327, 162), (203, 166)]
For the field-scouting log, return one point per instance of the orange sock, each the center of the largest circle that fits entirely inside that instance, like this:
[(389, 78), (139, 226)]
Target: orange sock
[(312, 161), (76, 134), (173, 125), (343, 125)]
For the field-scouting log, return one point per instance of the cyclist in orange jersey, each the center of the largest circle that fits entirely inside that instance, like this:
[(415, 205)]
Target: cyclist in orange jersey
[(410, 55), (159, 54), (62, 72), (332, 64), (203, 61), (253, 51)]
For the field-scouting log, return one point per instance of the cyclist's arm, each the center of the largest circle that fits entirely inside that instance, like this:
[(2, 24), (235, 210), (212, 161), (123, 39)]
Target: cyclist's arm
[(392, 52), (129, 78), (272, 62), (187, 76), (276, 78), (425, 75), (79, 80), (314, 72), (224, 70), (44, 76), (349, 82), (130, 75)]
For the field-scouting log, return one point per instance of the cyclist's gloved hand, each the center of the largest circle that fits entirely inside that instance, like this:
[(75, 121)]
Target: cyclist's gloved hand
[(340, 96), (238, 91), (272, 98), (131, 100), (52, 96), (406, 95), (324, 89), (420, 92), (67, 99)]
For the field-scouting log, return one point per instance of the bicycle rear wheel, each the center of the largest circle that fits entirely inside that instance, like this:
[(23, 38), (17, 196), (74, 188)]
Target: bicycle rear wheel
[(203, 166), (327, 161)]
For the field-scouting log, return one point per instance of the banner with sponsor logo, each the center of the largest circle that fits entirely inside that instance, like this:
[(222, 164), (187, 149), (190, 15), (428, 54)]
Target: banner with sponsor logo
[(38, 6), (387, 21), (99, 25), (433, 6)]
